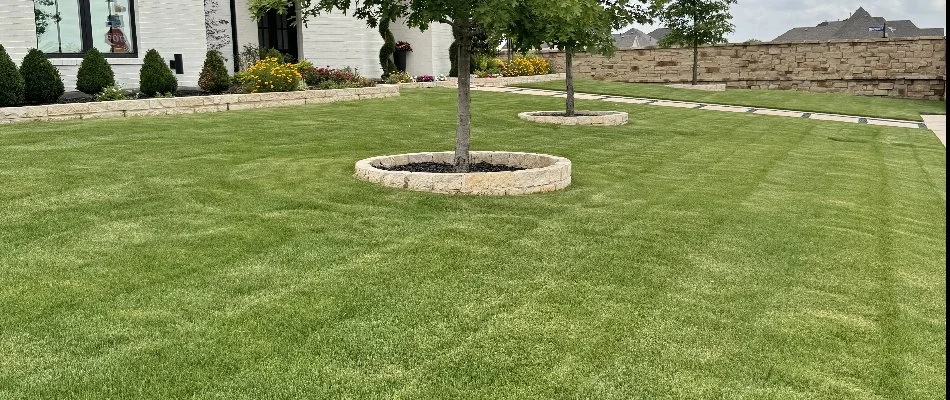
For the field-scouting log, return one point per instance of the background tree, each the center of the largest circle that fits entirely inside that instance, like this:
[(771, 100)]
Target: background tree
[(462, 15), (694, 23), (573, 26)]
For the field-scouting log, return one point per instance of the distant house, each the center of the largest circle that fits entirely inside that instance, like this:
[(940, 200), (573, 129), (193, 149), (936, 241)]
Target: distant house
[(659, 33), (633, 39), (857, 26)]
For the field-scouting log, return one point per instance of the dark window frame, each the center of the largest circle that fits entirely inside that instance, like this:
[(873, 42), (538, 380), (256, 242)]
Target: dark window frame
[(85, 26)]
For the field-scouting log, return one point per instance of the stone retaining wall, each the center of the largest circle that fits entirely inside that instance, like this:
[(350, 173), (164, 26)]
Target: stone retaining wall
[(545, 173), (899, 67), (189, 105)]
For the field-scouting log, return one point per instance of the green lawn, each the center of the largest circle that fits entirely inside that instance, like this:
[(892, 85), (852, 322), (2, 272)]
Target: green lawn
[(697, 255), (833, 103)]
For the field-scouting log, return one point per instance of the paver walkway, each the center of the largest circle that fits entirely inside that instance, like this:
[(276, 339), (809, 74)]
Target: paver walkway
[(937, 124), (714, 107)]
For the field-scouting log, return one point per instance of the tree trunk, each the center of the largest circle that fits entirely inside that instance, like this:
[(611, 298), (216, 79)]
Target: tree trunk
[(568, 72), (463, 131), (695, 61)]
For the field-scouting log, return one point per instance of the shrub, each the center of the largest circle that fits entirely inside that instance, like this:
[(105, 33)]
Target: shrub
[(314, 76), (399, 77), (274, 53), (112, 93), (425, 78), (328, 78), (214, 75), (249, 56), (270, 75), (523, 66), (94, 73), (155, 77), (42, 83), (11, 82)]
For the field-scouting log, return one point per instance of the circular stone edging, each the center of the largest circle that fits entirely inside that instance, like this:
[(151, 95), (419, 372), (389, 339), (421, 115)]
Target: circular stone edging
[(543, 173), (580, 117)]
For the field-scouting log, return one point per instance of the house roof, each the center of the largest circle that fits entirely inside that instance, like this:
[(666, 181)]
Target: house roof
[(659, 33), (856, 27), (633, 39)]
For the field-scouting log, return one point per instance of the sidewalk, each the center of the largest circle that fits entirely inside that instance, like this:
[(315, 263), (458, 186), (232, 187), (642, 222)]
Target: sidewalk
[(727, 108), (937, 124)]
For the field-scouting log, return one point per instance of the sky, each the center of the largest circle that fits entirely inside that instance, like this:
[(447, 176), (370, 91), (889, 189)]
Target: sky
[(767, 19)]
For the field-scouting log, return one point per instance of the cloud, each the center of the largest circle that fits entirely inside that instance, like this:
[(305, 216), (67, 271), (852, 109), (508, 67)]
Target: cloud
[(767, 19)]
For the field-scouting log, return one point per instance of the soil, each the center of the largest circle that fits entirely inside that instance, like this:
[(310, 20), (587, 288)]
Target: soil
[(562, 114), (442, 168), (79, 97)]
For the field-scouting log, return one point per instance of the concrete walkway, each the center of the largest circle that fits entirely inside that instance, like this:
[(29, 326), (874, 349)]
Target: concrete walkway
[(719, 107), (937, 124)]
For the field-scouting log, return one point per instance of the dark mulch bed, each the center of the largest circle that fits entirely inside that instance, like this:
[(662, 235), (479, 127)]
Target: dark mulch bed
[(79, 97), (442, 168), (563, 114)]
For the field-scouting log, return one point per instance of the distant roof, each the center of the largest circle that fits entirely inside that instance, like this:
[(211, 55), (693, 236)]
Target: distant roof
[(856, 27), (659, 33), (633, 39)]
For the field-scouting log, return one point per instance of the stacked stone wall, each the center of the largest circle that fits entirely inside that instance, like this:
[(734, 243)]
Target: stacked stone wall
[(901, 67)]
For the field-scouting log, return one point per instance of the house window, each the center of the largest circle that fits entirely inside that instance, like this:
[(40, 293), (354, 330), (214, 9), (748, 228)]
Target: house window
[(72, 27)]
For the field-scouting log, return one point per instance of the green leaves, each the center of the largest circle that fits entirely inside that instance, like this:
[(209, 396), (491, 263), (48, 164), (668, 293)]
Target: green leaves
[(581, 25), (695, 22)]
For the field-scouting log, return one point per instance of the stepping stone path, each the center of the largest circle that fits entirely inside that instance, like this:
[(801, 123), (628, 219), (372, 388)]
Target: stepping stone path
[(741, 109)]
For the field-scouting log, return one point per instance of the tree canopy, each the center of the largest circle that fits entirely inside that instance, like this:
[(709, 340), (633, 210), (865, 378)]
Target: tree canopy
[(579, 25), (695, 22)]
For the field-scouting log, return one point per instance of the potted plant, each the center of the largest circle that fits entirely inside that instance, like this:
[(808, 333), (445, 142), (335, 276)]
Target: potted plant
[(402, 48)]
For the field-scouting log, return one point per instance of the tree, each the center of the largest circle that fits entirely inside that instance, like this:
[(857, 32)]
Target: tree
[(41, 79), (462, 15), (695, 22), (572, 26)]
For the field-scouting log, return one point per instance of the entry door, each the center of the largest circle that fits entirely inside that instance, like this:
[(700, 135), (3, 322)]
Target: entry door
[(274, 31)]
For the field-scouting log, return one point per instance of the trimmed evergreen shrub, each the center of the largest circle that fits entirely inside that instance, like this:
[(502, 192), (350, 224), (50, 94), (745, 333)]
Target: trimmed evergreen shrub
[(42, 82), (274, 53), (94, 74), (214, 75), (155, 77), (11, 83)]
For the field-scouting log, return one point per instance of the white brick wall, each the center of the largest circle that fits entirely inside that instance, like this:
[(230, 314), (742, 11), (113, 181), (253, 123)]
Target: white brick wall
[(17, 28), (338, 40), (430, 49), (170, 26)]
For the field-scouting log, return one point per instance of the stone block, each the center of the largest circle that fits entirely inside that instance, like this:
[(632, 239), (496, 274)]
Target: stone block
[(162, 103), (191, 101), (148, 112), (67, 109), (104, 114)]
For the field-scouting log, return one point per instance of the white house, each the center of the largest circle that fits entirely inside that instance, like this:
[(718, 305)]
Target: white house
[(123, 30)]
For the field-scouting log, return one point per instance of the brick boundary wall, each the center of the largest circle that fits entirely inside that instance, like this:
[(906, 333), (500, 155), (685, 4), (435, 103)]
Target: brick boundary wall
[(899, 67), (189, 105)]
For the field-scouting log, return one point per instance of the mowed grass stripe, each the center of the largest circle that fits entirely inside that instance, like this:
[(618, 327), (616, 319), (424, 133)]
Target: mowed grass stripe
[(696, 255)]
